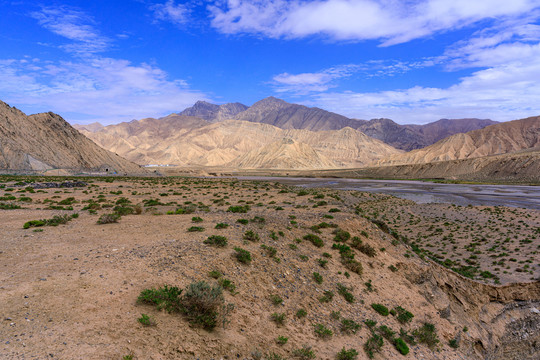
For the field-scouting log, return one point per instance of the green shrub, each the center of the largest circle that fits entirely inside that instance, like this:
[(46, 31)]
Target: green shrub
[(216, 240), (386, 332), (251, 236), (195, 229), (345, 292), (33, 223), (196, 219), (349, 326), (314, 239), (9, 206), (108, 219), (381, 309), (163, 298), (317, 277), (304, 353), (221, 226), (201, 303), (215, 274), (453, 343), (341, 235), (276, 299), (334, 210), (322, 331), (146, 320), (353, 265), (427, 334), (403, 316), (239, 209), (373, 345), (278, 318), (401, 346), (327, 296), (301, 313), (322, 263), (367, 249), (282, 340), (350, 354), (242, 255), (242, 221), (227, 284)]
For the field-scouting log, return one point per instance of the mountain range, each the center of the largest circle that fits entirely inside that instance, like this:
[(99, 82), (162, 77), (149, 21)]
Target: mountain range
[(46, 141), (285, 115)]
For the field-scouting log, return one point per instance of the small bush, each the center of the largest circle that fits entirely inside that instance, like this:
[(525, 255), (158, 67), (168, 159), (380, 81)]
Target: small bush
[(327, 296), (373, 345), (196, 219), (282, 340), (227, 284), (341, 235), (278, 318), (386, 332), (146, 320), (403, 316), (353, 265), (304, 353), (322, 331), (367, 249), (381, 309), (301, 313), (195, 229), (238, 209), (317, 277), (201, 303), (242, 221), (108, 219), (251, 236), (221, 226), (345, 292), (401, 346), (242, 255), (163, 298), (350, 354), (215, 274), (314, 239), (453, 343), (427, 334), (349, 326), (216, 240), (276, 299)]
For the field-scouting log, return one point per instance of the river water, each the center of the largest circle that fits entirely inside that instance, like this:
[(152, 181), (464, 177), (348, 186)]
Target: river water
[(425, 192)]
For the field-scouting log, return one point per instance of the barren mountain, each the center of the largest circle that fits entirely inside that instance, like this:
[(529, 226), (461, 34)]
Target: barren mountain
[(213, 113), (93, 127), (46, 141), (495, 139), (285, 115), (185, 140), (284, 154)]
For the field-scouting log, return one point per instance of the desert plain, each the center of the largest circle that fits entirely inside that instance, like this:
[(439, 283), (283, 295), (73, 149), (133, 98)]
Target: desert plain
[(330, 274)]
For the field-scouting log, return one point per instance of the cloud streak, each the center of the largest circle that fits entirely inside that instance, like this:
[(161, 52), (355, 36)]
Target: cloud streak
[(389, 21), (171, 12)]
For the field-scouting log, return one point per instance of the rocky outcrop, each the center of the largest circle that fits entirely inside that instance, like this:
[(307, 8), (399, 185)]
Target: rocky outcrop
[(46, 141), (495, 139), (227, 143), (214, 113)]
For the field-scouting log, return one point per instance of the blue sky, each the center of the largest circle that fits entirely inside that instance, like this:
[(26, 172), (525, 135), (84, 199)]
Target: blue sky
[(414, 61)]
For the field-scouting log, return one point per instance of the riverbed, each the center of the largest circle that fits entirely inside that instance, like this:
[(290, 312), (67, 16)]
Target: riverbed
[(426, 192)]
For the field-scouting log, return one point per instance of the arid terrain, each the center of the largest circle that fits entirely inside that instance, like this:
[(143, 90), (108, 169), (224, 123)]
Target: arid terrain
[(324, 269)]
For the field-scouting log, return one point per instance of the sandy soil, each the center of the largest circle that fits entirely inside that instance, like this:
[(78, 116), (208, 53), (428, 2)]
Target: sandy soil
[(70, 291)]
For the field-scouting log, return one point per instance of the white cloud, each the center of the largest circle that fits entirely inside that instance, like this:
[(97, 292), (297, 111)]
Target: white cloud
[(391, 21), (170, 11), (100, 89), (73, 25), (90, 87), (311, 82), (501, 93)]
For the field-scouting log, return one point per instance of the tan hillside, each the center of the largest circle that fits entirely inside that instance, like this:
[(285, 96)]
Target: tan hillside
[(93, 127), (283, 154), (495, 139), (181, 140), (214, 113), (46, 141)]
